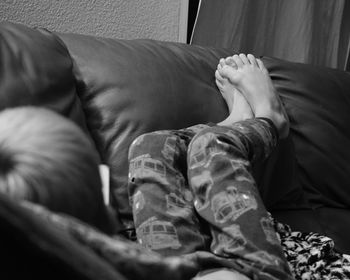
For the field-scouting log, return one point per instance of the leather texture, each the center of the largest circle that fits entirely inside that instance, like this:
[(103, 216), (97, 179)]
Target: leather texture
[(127, 88), (36, 70)]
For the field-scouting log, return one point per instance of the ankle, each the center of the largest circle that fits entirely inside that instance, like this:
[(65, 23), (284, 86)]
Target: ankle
[(279, 119), (281, 124), (284, 129)]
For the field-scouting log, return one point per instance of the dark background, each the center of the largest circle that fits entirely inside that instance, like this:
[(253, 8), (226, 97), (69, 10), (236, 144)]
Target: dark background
[(192, 12)]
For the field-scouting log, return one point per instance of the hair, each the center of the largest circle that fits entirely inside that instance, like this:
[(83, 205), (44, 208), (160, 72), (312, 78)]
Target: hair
[(47, 159)]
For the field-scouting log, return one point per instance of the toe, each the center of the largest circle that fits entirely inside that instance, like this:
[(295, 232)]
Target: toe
[(218, 76), (252, 60), (228, 72), (244, 58), (222, 62), (261, 64), (237, 60), (218, 84), (231, 62)]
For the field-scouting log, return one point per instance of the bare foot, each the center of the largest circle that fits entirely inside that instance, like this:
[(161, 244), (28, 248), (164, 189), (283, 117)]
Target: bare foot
[(252, 79), (238, 106)]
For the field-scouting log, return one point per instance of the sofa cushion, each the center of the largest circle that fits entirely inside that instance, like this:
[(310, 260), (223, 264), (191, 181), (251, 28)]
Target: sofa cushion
[(128, 88), (36, 69), (317, 100)]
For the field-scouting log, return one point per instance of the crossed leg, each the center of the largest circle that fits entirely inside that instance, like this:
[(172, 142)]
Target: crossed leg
[(219, 176), (163, 212), (226, 197)]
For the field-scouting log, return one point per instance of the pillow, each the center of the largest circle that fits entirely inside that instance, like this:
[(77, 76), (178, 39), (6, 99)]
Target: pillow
[(317, 100), (36, 69)]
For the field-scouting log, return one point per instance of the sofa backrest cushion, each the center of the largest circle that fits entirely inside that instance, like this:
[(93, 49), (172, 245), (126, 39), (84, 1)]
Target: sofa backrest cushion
[(317, 100), (131, 87), (36, 70), (128, 88)]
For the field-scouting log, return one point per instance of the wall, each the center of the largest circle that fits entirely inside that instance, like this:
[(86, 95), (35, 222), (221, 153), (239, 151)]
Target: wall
[(126, 19)]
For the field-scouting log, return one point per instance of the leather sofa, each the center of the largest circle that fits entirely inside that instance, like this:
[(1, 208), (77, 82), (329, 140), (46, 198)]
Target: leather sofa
[(118, 89)]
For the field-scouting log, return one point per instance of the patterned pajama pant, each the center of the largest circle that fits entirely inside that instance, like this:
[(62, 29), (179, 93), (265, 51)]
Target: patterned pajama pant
[(192, 190), (192, 193)]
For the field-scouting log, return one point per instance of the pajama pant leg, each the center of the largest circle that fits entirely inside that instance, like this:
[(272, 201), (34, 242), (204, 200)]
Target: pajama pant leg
[(163, 212), (227, 198)]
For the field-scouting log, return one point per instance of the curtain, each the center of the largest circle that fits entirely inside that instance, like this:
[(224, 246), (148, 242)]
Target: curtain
[(308, 31)]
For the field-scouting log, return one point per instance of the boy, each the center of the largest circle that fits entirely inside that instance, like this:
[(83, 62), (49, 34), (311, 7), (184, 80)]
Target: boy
[(45, 158)]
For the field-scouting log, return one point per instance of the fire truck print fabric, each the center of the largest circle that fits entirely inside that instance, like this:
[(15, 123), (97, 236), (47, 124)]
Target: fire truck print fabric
[(156, 234), (192, 190)]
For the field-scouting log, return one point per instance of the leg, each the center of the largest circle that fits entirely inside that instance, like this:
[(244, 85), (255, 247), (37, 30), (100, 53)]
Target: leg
[(226, 196), (163, 211), (219, 171)]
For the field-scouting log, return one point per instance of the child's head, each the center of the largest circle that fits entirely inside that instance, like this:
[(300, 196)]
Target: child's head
[(46, 158)]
